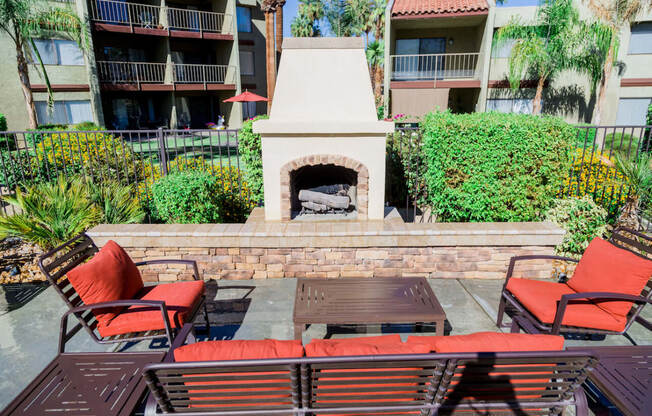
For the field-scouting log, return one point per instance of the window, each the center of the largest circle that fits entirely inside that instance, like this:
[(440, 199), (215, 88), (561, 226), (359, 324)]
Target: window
[(641, 39), (246, 63), (504, 50), (510, 105), (58, 52), (244, 19), (420, 62), (65, 112), (632, 111)]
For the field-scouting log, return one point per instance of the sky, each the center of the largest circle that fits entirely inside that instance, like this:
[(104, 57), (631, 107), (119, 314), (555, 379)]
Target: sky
[(290, 10)]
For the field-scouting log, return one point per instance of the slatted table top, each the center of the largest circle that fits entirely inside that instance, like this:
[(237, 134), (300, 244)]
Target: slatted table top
[(369, 301), (100, 384), (624, 376)]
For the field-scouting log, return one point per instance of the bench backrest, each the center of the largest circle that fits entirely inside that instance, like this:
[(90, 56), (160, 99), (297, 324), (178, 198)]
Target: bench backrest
[(419, 383)]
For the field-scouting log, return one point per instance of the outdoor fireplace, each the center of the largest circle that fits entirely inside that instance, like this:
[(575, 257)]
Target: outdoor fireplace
[(323, 147)]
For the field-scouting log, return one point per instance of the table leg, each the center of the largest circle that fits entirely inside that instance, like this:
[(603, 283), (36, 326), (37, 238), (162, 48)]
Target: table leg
[(439, 328), (298, 330)]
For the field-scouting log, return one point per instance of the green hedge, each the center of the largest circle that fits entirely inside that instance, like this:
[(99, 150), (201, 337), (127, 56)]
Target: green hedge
[(492, 166), (7, 141), (250, 151)]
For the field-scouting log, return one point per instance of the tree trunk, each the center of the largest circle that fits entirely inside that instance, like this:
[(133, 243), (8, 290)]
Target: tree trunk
[(25, 84), (378, 82), (536, 103), (604, 82), (279, 31), (269, 54)]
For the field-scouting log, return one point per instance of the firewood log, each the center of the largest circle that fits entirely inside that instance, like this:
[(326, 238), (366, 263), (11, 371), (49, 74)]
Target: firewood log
[(314, 206), (333, 201)]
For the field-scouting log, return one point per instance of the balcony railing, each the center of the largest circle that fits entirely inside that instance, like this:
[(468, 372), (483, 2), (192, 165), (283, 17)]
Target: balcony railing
[(155, 73), (156, 17), (434, 66)]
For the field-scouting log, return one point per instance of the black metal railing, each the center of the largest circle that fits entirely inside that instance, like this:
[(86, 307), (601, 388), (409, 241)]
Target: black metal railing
[(593, 171), (131, 157)]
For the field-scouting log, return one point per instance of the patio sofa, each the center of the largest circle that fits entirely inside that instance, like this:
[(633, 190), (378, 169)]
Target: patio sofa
[(477, 373)]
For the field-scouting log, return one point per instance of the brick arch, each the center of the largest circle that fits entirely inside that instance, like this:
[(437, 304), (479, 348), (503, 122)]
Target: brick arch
[(314, 160)]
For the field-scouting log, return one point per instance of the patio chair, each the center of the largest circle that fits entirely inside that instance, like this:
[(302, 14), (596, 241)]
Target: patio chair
[(606, 295), (123, 309)]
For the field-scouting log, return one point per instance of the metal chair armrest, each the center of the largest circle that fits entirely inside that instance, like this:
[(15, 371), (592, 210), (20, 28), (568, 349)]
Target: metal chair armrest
[(112, 304), (603, 296), (173, 261), (513, 260)]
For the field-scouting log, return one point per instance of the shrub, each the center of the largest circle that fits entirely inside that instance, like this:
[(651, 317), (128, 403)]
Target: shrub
[(98, 154), (493, 166), (189, 198), (21, 168), (7, 141), (50, 213), (593, 173), (249, 147), (582, 219)]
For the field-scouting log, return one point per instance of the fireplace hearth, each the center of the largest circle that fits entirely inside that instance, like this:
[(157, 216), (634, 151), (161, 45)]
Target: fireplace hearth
[(324, 189)]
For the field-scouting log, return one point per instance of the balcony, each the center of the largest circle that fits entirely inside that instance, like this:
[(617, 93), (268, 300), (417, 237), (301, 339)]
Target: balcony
[(444, 70), (151, 76), (118, 16)]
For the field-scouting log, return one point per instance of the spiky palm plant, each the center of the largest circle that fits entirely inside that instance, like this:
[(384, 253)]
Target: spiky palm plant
[(48, 214), (117, 203), (25, 20), (637, 181)]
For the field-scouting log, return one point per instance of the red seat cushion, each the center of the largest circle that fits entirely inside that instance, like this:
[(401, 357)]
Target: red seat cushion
[(110, 275), (607, 268), (180, 298), (541, 298), (323, 347), (238, 350), (490, 342)]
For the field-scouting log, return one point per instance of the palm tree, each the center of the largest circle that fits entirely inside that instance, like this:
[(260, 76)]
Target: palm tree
[(306, 22), (636, 175), (25, 20), (376, 59), (269, 8), (338, 19), (279, 29), (545, 47), (361, 14), (614, 14)]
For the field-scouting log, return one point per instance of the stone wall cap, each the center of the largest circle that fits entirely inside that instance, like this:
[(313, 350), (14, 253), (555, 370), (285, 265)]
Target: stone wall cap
[(323, 43), (271, 127)]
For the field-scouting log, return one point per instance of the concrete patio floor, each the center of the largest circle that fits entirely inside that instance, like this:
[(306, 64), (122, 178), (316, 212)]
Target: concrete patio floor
[(252, 309)]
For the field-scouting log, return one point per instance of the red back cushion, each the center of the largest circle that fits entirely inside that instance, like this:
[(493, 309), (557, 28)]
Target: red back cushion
[(109, 275), (238, 350), (607, 268), (490, 342), (323, 347)]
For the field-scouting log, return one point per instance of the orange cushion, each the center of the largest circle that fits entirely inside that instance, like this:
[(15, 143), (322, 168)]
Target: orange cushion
[(107, 276), (320, 347), (490, 342), (541, 298), (238, 350), (607, 268), (179, 297)]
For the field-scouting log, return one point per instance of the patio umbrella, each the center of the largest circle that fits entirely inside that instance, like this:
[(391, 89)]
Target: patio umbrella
[(245, 97)]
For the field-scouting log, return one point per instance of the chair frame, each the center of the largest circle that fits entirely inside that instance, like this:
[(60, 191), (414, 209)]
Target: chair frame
[(525, 320), (56, 263)]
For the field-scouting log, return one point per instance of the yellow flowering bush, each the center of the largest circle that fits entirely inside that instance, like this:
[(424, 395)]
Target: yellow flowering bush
[(97, 154), (593, 173)]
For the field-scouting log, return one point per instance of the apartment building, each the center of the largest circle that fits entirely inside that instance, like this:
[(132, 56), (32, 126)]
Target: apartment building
[(440, 54), (154, 63)]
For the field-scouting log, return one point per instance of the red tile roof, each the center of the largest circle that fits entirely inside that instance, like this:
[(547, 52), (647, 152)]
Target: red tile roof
[(434, 8)]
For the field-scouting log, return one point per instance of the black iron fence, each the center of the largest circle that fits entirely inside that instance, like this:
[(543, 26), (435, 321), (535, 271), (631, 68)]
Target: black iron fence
[(131, 157), (593, 171)]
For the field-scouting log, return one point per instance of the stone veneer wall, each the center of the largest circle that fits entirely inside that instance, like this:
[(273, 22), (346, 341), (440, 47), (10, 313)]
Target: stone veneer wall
[(262, 250)]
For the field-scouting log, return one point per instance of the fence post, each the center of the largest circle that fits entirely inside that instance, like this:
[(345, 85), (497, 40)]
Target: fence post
[(163, 159)]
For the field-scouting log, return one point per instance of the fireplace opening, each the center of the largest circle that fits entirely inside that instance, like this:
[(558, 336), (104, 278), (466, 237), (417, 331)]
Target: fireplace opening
[(323, 191)]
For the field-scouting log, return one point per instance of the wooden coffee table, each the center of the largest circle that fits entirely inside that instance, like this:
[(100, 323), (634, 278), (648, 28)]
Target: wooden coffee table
[(366, 301)]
